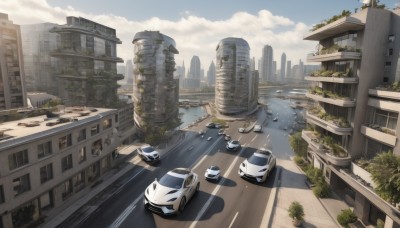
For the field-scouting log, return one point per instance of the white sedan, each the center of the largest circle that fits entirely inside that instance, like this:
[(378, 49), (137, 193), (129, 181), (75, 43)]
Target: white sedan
[(212, 173), (233, 145), (170, 194), (258, 166), (148, 154)]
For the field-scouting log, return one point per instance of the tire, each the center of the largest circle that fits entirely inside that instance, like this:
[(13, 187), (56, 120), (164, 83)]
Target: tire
[(182, 205)]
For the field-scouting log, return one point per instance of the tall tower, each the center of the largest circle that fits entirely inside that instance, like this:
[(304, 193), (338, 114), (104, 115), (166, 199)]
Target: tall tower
[(283, 66), (155, 96), (211, 74), (129, 72), (266, 64), (12, 87), (232, 90), (194, 72), (289, 69)]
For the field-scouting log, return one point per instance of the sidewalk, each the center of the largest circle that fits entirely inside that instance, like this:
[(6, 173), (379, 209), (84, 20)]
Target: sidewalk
[(127, 160), (291, 186)]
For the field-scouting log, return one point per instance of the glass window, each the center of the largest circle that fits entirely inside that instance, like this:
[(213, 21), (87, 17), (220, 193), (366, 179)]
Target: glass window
[(65, 141), (97, 147), (44, 149), (82, 154), (94, 130), (390, 52), (18, 159), (67, 189), (374, 147), (2, 199), (391, 39), (46, 173), (79, 179), (66, 162), (107, 123), (21, 184), (82, 135)]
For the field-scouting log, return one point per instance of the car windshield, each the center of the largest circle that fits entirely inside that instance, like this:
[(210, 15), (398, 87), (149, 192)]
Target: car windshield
[(235, 142), (147, 149), (256, 160), (215, 168), (171, 181)]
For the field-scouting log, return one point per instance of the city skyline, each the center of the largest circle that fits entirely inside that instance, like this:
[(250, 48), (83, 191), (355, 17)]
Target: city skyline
[(276, 24)]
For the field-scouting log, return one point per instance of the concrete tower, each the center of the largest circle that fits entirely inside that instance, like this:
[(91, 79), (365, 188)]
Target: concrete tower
[(266, 64), (283, 67)]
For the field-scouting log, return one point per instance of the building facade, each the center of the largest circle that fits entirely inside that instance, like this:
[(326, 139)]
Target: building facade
[(356, 110), (211, 74), (283, 67), (266, 67), (232, 87), (87, 73), (46, 160), (12, 80), (156, 92), (194, 74)]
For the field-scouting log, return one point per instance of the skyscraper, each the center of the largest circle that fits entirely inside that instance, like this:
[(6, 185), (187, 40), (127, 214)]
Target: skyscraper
[(211, 74), (283, 66), (12, 87), (266, 64), (232, 88), (274, 71), (129, 72), (289, 69), (156, 93), (195, 72)]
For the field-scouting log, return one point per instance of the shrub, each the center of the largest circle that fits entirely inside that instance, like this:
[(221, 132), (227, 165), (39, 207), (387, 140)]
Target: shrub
[(345, 217), (296, 211), (314, 175), (322, 190), (380, 223)]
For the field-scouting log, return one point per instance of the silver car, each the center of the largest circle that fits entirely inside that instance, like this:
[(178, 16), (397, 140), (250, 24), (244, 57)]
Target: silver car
[(148, 153)]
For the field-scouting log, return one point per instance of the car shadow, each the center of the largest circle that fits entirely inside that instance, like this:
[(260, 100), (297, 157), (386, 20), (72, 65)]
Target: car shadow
[(224, 182)]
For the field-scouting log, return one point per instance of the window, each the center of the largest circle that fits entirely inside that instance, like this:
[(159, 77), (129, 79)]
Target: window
[(391, 39), (65, 141), (21, 184), (79, 179), (67, 189), (116, 118), (2, 199), (18, 159), (82, 135), (94, 130), (97, 147), (107, 123), (390, 52), (44, 149), (82, 154), (385, 119), (66, 162), (46, 173)]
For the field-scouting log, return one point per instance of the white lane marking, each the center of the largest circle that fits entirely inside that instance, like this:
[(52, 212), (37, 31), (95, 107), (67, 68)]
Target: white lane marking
[(234, 218), (122, 186), (202, 159), (123, 216), (239, 138), (214, 192), (253, 139), (205, 154)]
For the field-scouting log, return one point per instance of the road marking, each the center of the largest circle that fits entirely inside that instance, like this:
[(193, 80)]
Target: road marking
[(205, 154), (233, 220), (253, 139), (214, 192), (123, 216), (122, 186), (240, 138)]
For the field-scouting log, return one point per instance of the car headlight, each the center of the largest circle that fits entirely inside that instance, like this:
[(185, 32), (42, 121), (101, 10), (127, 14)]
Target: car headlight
[(263, 170), (172, 199), (170, 207)]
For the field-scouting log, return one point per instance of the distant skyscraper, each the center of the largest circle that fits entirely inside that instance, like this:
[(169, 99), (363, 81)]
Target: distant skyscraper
[(283, 66), (289, 69), (266, 64), (129, 72), (274, 71), (156, 91), (121, 70), (211, 74), (253, 64), (12, 85), (194, 71), (233, 77)]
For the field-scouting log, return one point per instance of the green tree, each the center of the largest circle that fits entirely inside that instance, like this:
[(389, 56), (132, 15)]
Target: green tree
[(298, 144), (385, 171)]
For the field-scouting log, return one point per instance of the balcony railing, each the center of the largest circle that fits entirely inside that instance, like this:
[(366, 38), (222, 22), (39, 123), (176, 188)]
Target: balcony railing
[(336, 126), (383, 135), (342, 101), (334, 52), (332, 76)]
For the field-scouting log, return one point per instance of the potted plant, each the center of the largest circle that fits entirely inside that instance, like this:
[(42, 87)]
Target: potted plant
[(296, 212)]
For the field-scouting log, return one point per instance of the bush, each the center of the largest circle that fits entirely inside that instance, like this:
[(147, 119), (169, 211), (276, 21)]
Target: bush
[(345, 217), (380, 223), (322, 190), (296, 211), (314, 175)]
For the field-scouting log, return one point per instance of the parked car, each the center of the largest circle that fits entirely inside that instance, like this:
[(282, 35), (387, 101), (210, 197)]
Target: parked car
[(210, 125), (241, 130), (258, 166), (227, 137), (257, 128), (212, 173), (233, 145), (171, 193), (148, 154), (221, 132)]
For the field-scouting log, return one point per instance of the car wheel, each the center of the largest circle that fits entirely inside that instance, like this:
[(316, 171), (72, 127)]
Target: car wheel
[(182, 205)]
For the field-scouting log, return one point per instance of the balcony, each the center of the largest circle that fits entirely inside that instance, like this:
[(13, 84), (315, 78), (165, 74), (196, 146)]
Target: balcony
[(342, 102), (344, 55), (331, 125), (380, 134), (332, 76), (312, 139), (337, 27), (384, 93)]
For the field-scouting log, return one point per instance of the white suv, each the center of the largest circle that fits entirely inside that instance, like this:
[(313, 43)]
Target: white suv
[(148, 154)]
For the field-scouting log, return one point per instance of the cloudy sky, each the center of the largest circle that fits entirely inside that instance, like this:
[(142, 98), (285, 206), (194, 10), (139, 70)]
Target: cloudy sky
[(196, 25)]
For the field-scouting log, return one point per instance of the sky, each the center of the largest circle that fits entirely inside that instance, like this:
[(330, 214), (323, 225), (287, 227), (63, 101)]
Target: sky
[(196, 26)]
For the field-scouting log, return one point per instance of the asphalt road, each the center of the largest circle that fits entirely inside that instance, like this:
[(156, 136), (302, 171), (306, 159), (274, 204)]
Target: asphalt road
[(231, 202)]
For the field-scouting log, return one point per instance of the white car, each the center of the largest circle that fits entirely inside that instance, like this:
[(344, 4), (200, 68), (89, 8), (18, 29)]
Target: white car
[(241, 130), (233, 145), (148, 154), (257, 128), (209, 138), (170, 194), (212, 173), (258, 166), (221, 132)]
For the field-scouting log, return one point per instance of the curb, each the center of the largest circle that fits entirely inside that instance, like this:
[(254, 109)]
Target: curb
[(269, 212)]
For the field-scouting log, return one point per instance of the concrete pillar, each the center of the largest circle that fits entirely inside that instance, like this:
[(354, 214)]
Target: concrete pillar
[(7, 220), (361, 208), (388, 222)]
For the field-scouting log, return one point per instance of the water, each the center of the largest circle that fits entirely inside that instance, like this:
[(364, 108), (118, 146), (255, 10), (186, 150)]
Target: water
[(191, 115)]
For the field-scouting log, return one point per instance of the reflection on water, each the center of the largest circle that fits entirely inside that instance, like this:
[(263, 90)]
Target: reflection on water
[(191, 115)]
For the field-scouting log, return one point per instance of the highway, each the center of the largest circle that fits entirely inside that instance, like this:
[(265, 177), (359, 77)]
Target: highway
[(231, 202)]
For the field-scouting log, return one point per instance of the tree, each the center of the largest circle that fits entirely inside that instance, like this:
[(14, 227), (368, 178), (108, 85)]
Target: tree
[(298, 144), (296, 211), (385, 172)]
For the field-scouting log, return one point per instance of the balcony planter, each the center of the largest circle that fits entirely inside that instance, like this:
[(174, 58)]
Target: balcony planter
[(339, 161), (374, 133), (362, 173)]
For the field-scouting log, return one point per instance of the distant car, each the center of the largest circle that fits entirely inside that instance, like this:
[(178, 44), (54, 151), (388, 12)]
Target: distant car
[(170, 194), (203, 132), (221, 132), (209, 138), (258, 166), (218, 125), (233, 145), (148, 154), (241, 130), (275, 119), (257, 128), (212, 173), (227, 137), (210, 125)]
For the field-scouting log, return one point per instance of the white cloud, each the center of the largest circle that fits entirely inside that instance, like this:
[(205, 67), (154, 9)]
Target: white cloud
[(194, 35)]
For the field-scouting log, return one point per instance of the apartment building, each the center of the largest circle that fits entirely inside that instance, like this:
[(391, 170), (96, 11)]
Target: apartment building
[(87, 57), (47, 159), (235, 87), (156, 92), (356, 110), (12, 85)]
